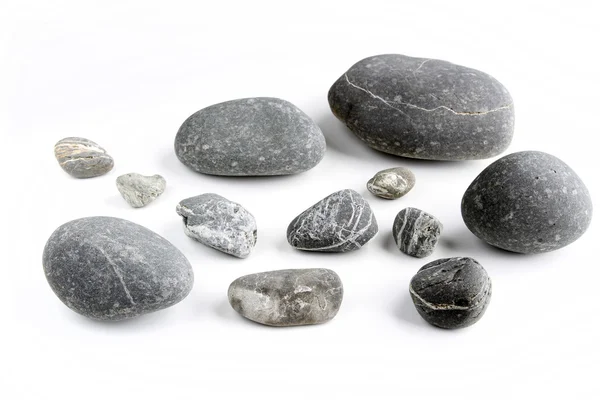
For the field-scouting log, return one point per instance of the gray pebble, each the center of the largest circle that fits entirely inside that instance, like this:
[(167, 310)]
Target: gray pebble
[(392, 183), (416, 232), (139, 190), (451, 292), (341, 222), (527, 202), (219, 223), (288, 297), (82, 158), (112, 269), (424, 108), (250, 137)]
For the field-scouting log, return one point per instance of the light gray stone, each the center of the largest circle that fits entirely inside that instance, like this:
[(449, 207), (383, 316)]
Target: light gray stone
[(139, 190), (392, 183), (416, 232), (82, 158)]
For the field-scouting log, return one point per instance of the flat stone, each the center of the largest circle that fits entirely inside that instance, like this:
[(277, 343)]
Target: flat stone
[(341, 222), (82, 158), (527, 202), (219, 223), (139, 190), (451, 292), (250, 137), (288, 297), (416, 232), (424, 108), (111, 269), (392, 183)]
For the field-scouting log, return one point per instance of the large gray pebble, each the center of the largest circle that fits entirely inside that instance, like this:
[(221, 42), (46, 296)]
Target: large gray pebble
[(112, 269), (424, 108), (82, 158)]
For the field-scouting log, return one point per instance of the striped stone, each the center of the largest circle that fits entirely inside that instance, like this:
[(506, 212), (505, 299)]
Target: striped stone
[(416, 232), (82, 158)]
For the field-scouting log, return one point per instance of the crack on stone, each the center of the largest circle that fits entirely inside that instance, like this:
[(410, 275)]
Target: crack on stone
[(118, 274)]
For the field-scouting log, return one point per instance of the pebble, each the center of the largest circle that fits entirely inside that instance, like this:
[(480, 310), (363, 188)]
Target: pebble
[(527, 202), (111, 269), (82, 158), (139, 190), (424, 108), (288, 297), (341, 222), (392, 183), (219, 223), (451, 292), (250, 137), (416, 232)]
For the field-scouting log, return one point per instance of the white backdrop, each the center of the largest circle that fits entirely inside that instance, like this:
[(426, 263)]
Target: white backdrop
[(126, 74)]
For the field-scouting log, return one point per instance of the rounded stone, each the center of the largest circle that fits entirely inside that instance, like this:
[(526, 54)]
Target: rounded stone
[(82, 158), (250, 137), (139, 190), (527, 202), (111, 269), (392, 183), (424, 108), (451, 292), (416, 232)]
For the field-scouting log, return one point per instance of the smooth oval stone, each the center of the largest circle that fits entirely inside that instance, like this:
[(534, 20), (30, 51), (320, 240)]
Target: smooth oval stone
[(219, 223), (139, 190), (341, 222), (250, 137), (82, 158), (391, 183), (288, 297), (451, 292), (424, 108), (527, 202), (112, 269), (416, 232)]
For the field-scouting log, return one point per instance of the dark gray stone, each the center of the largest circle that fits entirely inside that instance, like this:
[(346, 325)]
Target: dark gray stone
[(424, 108), (416, 232), (288, 297), (341, 222), (139, 190), (392, 183), (219, 223), (527, 202), (112, 269), (250, 137), (82, 158), (451, 292)]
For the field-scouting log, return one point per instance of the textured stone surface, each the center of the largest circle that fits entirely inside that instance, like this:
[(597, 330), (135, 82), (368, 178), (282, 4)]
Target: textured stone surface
[(139, 190), (424, 108), (416, 232), (392, 183), (527, 202), (219, 223), (342, 221), (82, 158), (111, 269), (250, 137), (451, 292), (288, 297)]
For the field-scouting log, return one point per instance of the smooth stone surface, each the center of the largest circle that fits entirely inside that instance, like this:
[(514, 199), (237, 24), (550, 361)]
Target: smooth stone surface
[(392, 183), (219, 223), (288, 297), (451, 292), (112, 269), (250, 137), (82, 158), (416, 232), (527, 202), (424, 108), (341, 222), (139, 190)]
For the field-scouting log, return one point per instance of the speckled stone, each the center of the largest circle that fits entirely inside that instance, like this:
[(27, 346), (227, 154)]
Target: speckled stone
[(341, 222), (288, 297), (250, 137), (139, 190), (82, 158), (416, 232), (424, 108), (527, 202), (112, 269), (219, 223), (451, 292), (392, 183)]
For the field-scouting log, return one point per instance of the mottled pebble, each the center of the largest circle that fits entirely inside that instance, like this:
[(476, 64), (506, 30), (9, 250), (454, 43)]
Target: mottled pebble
[(139, 190), (416, 232), (392, 183)]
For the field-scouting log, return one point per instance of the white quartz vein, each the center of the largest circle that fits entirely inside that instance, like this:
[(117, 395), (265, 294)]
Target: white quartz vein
[(118, 274)]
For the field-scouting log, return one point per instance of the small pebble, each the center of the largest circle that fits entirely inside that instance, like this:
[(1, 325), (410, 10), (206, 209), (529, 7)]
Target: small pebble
[(139, 190), (392, 183), (82, 158), (416, 232)]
